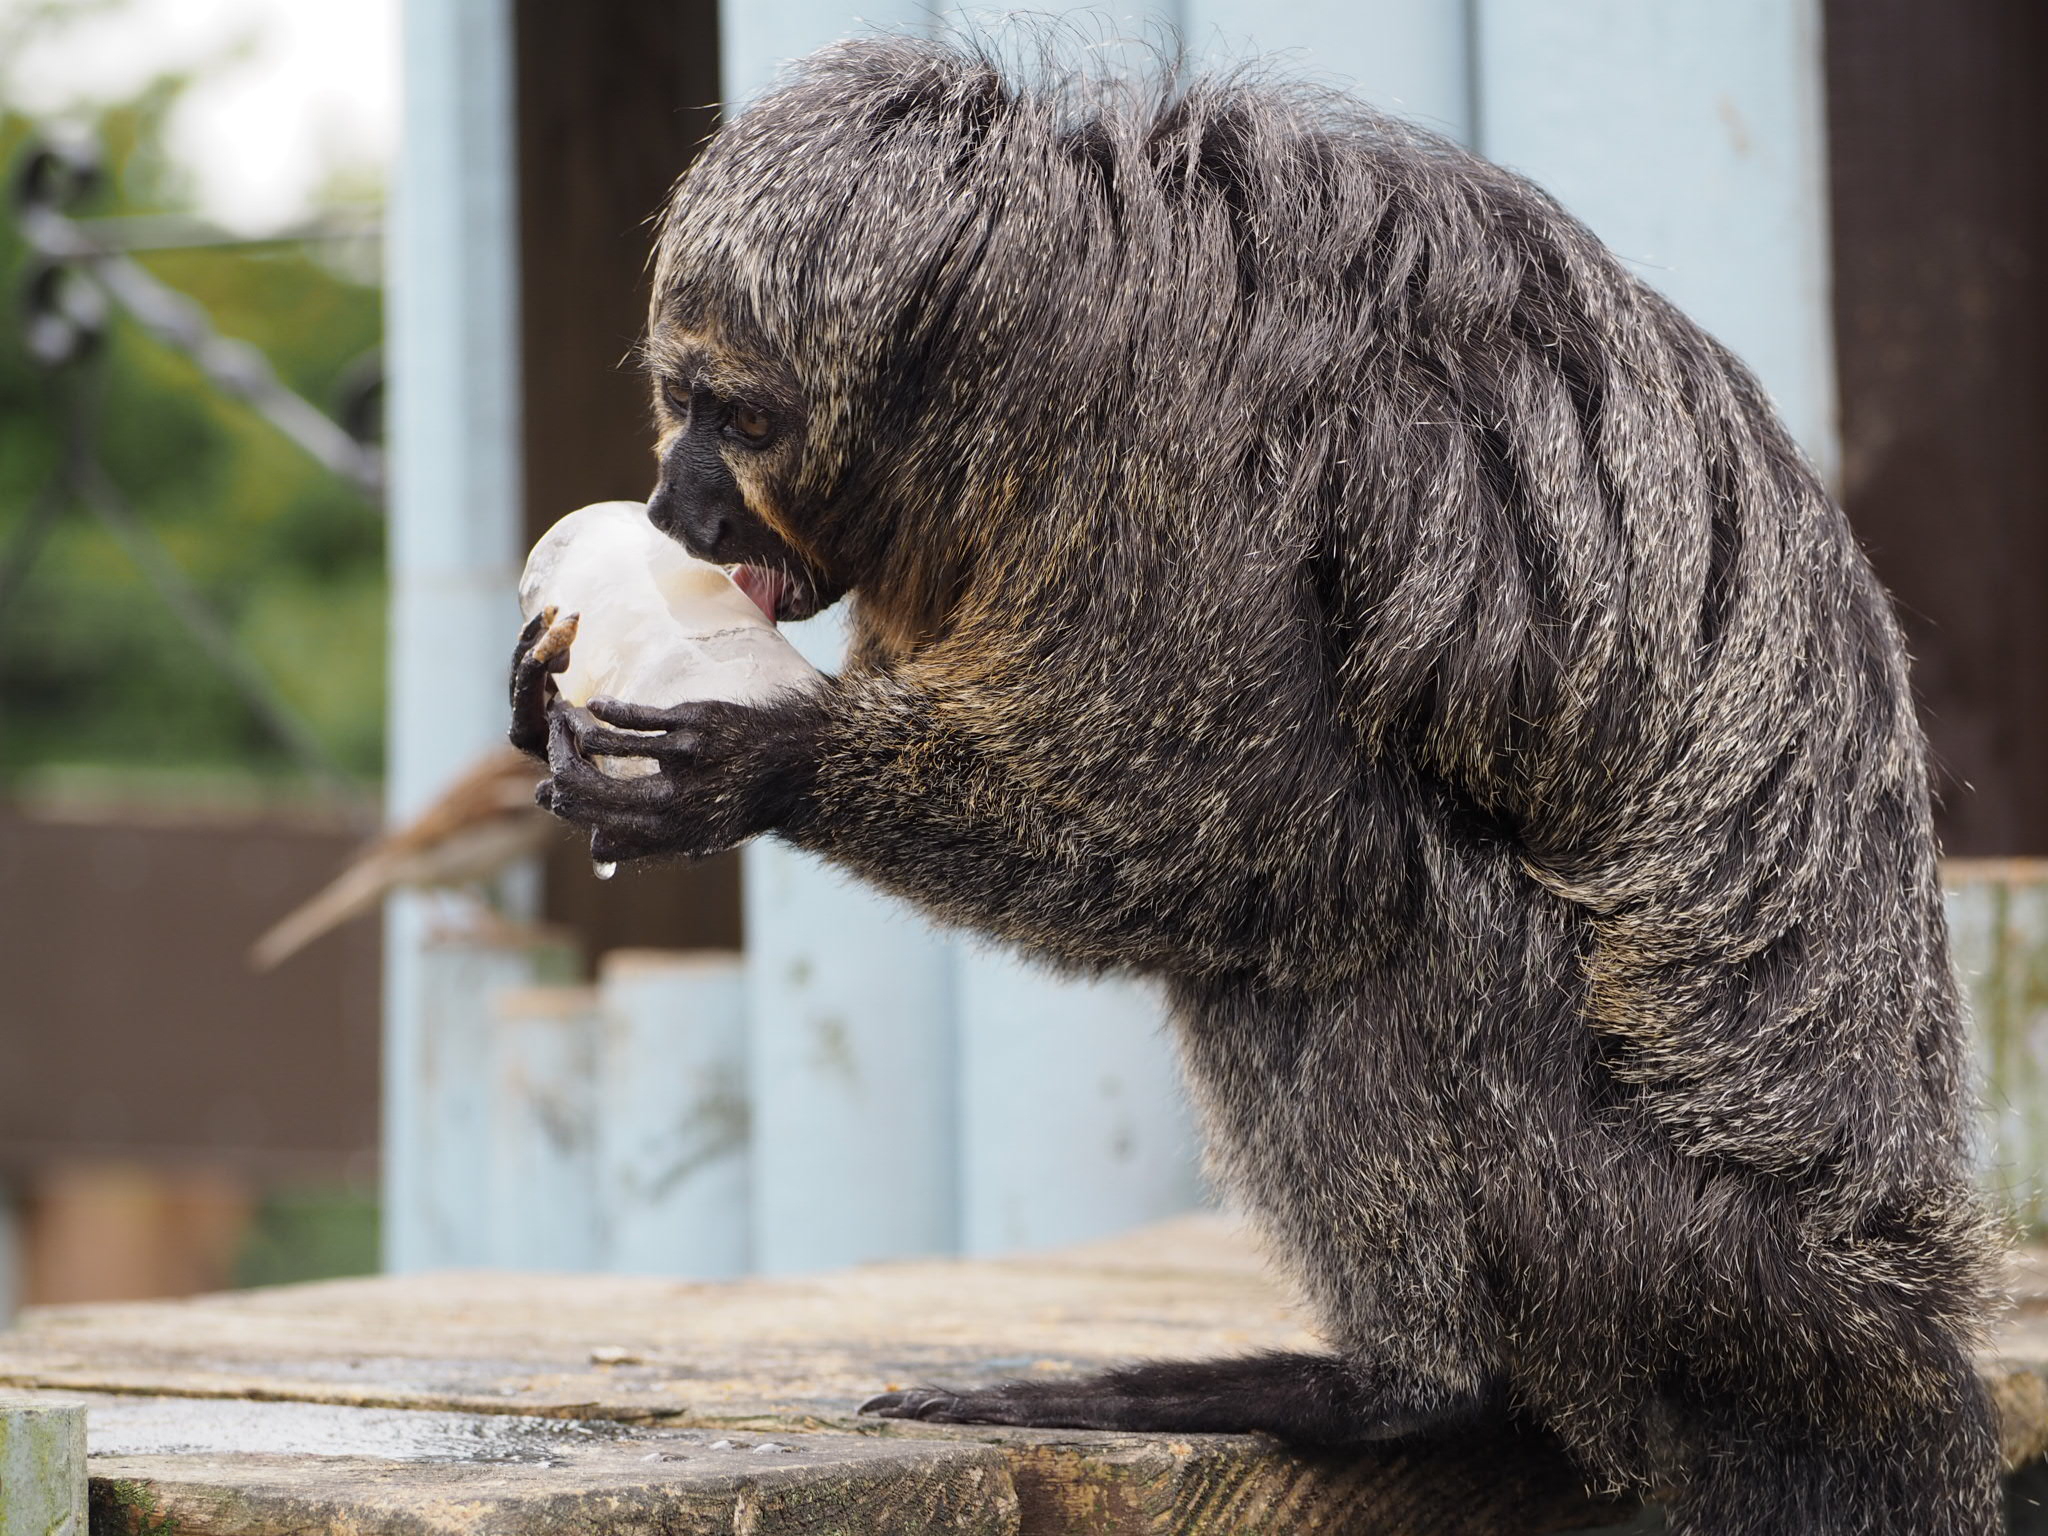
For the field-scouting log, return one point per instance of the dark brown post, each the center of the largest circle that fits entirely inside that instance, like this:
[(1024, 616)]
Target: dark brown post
[(614, 96), (1938, 129)]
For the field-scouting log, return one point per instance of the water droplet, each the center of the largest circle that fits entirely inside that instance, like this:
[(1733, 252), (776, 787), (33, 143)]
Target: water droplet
[(603, 871)]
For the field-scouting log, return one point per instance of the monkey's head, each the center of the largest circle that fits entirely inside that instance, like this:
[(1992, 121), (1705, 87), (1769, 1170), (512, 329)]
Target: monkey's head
[(920, 320), (804, 344)]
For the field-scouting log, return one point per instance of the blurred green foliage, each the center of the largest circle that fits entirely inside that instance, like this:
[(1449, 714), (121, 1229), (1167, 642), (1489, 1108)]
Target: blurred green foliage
[(94, 671), (309, 1232)]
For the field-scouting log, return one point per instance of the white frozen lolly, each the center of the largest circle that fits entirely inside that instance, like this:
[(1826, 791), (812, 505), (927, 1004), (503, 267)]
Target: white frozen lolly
[(654, 625)]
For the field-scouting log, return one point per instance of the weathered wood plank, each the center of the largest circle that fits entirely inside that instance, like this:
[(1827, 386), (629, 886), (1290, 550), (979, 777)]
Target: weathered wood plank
[(788, 1360), (232, 1468), (42, 1469), (767, 1350), (670, 1486)]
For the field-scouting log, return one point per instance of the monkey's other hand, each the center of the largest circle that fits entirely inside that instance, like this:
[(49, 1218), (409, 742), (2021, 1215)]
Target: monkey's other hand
[(542, 652), (724, 772)]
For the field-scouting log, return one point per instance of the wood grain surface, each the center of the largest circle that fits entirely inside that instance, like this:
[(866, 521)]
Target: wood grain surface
[(618, 1404)]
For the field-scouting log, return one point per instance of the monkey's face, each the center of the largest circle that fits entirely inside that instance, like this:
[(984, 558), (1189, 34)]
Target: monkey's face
[(868, 335), (729, 435)]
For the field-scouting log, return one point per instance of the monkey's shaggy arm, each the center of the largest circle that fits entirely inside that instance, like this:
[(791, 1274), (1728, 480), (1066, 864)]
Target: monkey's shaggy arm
[(1098, 839), (1064, 834)]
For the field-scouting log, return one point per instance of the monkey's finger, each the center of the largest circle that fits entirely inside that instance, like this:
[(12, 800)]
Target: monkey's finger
[(543, 651), (561, 750), (594, 740), (529, 685), (583, 792), (651, 717), (552, 648), (599, 807), (634, 838)]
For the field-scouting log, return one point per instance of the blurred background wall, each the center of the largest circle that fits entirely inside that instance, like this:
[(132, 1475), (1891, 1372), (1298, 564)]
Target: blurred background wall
[(1851, 193), (169, 1121)]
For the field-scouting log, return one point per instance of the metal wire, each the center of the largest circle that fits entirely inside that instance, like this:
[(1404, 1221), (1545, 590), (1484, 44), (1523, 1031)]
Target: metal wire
[(233, 367), (76, 280)]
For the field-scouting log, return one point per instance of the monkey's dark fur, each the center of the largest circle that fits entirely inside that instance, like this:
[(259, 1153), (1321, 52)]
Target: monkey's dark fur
[(1292, 558)]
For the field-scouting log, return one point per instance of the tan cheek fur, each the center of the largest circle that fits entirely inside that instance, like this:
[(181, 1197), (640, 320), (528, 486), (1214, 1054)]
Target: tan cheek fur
[(759, 484)]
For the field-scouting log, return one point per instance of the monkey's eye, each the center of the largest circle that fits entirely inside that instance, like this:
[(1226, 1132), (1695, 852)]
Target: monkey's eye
[(750, 424), (675, 394)]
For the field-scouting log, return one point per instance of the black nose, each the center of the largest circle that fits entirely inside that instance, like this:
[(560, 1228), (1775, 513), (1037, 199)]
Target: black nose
[(700, 530)]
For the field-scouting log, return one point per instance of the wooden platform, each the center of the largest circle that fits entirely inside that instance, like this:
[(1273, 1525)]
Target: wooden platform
[(499, 1403)]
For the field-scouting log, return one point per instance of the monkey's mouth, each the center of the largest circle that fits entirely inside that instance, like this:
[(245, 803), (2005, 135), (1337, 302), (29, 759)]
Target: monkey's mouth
[(782, 597)]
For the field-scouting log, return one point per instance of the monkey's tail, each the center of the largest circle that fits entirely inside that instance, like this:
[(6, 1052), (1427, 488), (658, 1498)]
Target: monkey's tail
[(1934, 1473)]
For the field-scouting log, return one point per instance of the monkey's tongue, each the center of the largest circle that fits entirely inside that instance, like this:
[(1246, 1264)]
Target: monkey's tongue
[(766, 588)]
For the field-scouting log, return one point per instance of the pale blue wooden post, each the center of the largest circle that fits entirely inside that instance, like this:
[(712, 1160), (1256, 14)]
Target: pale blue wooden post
[(672, 1114), (543, 1118), (455, 539), (849, 1026), (1408, 57), (851, 1070), (1073, 1123), (449, 1215), (757, 39), (1998, 928), (1689, 134), (1071, 1120)]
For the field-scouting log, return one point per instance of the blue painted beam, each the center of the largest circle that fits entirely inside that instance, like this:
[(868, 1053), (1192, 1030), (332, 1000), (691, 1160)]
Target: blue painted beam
[(542, 1168), (852, 1022), (1408, 57), (672, 1120), (849, 1022), (850, 1071), (1690, 135), (439, 1212), (755, 40), (42, 1468), (1072, 1120), (455, 538)]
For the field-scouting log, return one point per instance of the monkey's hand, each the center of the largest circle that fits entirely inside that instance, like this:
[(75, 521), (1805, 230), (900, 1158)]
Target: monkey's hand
[(724, 772), (542, 652)]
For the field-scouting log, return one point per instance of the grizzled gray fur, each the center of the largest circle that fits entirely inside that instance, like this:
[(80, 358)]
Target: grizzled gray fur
[(1293, 559)]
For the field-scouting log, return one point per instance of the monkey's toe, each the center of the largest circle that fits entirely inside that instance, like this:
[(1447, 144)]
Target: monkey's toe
[(915, 1403)]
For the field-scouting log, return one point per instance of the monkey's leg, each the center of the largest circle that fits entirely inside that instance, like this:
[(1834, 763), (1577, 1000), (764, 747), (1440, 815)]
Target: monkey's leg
[(1933, 1472), (1307, 1399)]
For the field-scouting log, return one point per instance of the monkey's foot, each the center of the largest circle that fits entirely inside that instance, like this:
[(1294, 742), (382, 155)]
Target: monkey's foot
[(1307, 1399)]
